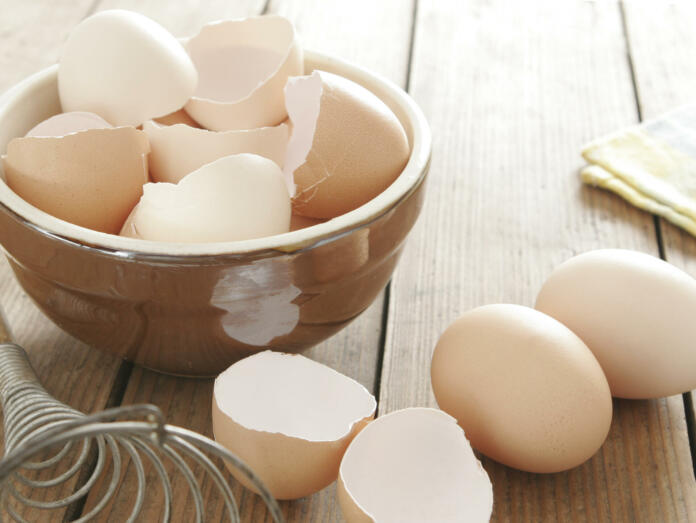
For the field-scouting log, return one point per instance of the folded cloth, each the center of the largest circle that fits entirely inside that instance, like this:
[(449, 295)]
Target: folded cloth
[(652, 165)]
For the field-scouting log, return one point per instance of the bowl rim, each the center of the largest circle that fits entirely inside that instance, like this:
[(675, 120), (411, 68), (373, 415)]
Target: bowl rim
[(121, 247)]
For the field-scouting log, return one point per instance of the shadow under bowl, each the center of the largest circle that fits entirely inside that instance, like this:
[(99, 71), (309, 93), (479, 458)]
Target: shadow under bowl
[(194, 309)]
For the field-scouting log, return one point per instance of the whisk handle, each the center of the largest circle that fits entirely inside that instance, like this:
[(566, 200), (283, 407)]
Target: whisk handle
[(16, 373)]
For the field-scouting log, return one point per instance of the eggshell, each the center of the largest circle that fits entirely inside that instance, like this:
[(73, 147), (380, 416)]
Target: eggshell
[(180, 116), (237, 197), (243, 66), (525, 389), (91, 178), (178, 150), (413, 465), (66, 123), (289, 418), (125, 67), (346, 146), (635, 312)]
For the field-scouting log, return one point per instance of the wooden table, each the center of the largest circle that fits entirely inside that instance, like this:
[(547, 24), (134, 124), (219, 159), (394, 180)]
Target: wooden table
[(512, 92)]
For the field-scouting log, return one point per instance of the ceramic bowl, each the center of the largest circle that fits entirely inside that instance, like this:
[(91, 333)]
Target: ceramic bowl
[(193, 309)]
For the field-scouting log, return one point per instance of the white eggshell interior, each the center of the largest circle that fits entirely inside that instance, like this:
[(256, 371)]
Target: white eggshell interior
[(66, 123), (416, 465), (232, 63), (292, 395), (303, 102)]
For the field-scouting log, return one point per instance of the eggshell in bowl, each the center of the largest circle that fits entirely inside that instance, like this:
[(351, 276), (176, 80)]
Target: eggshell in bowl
[(289, 418), (124, 67), (66, 123), (180, 116), (413, 465), (243, 66), (237, 197), (346, 145), (91, 178), (636, 314), (178, 149), (525, 389)]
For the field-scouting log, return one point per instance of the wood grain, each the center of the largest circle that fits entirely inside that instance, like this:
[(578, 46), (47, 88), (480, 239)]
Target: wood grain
[(31, 34), (662, 43), (512, 91), (347, 30)]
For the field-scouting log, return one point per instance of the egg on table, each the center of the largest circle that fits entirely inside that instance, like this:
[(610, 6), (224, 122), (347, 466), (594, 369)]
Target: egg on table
[(636, 314), (526, 390)]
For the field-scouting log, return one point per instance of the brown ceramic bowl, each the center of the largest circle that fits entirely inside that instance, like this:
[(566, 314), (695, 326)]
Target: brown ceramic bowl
[(194, 309)]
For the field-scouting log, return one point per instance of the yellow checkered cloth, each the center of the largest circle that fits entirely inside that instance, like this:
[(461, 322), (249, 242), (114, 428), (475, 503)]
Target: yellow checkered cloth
[(652, 165)]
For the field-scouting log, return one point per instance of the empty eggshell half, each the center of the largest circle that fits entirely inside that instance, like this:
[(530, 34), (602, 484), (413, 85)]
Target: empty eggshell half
[(91, 178), (346, 147), (237, 197), (525, 389), (178, 150), (243, 66), (125, 67), (66, 123), (289, 418), (413, 465)]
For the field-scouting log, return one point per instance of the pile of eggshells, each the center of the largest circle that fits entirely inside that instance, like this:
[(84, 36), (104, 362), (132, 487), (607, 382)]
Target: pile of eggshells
[(218, 137), (528, 387)]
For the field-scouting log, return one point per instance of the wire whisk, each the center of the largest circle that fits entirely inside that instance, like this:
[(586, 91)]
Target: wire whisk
[(36, 425)]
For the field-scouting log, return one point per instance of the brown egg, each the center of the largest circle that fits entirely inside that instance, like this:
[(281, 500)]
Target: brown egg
[(525, 389), (346, 145), (413, 465), (91, 177), (289, 418)]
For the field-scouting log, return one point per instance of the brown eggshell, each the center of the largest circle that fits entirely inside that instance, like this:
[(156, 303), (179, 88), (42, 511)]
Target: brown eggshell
[(346, 147), (178, 150), (413, 465), (90, 178), (525, 389), (288, 418), (301, 222), (243, 66)]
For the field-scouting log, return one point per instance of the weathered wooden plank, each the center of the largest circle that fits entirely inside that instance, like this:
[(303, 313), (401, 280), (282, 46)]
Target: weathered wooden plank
[(662, 44), (512, 91), (31, 34), (347, 30)]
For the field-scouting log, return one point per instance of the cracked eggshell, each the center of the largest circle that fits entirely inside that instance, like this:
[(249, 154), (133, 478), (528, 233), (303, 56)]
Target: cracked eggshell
[(125, 67), (525, 389), (66, 123), (636, 314), (346, 146), (237, 197), (288, 418), (243, 66), (92, 176), (413, 465), (178, 149)]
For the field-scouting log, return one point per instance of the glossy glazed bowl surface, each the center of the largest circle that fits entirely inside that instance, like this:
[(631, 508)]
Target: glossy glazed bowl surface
[(193, 309)]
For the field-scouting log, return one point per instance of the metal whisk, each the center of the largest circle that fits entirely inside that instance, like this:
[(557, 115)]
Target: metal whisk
[(36, 423)]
